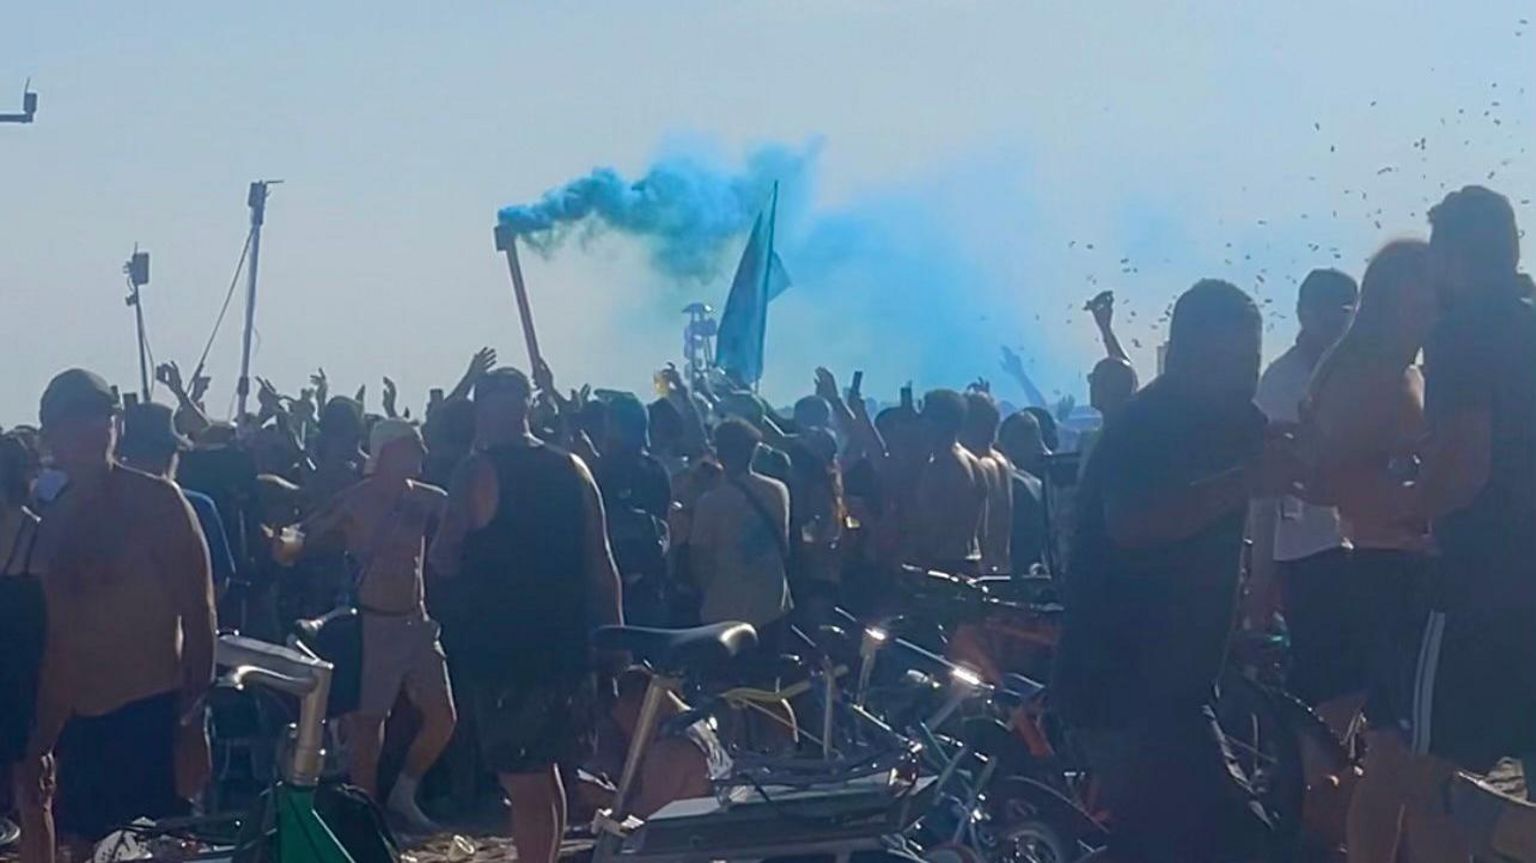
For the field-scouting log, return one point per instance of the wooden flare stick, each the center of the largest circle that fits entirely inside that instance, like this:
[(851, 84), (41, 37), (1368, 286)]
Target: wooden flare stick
[(506, 241)]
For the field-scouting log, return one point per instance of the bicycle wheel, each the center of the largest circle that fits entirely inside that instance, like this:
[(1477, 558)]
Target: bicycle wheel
[(1266, 743), (1035, 842)]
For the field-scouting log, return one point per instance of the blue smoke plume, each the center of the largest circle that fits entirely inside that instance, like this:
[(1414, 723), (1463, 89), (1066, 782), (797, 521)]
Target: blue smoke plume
[(687, 212)]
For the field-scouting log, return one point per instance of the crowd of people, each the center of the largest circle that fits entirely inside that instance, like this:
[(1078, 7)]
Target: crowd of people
[(1383, 469)]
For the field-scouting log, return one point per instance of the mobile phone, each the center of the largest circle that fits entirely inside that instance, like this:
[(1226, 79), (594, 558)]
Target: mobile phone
[(906, 397), (858, 383), (436, 394)]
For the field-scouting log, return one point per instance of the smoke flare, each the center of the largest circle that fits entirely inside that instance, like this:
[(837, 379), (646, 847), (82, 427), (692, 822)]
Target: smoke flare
[(685, 210)]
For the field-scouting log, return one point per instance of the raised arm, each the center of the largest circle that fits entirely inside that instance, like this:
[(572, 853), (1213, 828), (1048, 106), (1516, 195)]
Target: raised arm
[(695, 438), (190, 418), (1103, 309), (853, 418), (483, 361)]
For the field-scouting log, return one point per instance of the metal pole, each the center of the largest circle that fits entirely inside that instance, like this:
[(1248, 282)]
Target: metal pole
[(256, 199), (138, 314), (506, 241)]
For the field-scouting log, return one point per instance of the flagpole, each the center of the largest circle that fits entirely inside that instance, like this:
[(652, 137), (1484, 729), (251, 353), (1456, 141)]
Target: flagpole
[(762, 306)]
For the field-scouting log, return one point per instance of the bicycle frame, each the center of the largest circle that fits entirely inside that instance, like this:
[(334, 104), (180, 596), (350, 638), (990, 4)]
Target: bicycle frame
[(302, 835)]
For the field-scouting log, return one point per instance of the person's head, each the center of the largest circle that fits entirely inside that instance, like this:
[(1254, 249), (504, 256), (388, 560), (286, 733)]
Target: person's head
[(666, 427), (451, 426), (1021, 441), (1110, 385), (1474, 242), (150, 442), (1325, 305), (78, 413), (1049, 434), (943, 416), (274, 452), (502, 399), (742, 406), (395, 450), (628, 425), (902, 432), (1214, 342), (18, 468), (813, 412), (1397, 299), (342, 428), (736, 443), (981, 421)]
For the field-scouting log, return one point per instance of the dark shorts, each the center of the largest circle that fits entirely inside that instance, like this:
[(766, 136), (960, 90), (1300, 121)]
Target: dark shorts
[(525, 728), (1173, 791), (1322, 610), (115, 768), (1475, 690), (1393, 605)]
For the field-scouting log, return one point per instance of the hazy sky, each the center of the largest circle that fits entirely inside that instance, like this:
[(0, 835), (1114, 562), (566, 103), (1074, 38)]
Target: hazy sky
[(966, 153)]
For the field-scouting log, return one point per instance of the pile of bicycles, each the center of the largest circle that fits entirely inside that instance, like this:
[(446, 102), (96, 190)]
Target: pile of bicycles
[(926, 734), (916, 736)]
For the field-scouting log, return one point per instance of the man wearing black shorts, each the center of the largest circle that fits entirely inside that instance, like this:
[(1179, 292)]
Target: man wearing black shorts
[(524, 533), (1475, 692), (1151, 598)]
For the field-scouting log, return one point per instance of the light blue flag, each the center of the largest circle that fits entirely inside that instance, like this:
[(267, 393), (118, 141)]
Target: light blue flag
[(759, 278)]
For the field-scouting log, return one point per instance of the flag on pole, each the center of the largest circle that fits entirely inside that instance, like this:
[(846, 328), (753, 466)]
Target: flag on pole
[(759, 278)]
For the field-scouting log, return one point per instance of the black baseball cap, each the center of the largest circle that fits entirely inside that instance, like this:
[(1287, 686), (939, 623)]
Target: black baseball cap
[(76, 393)]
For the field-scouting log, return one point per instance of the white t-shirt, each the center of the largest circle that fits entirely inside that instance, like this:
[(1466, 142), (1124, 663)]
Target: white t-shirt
[(1302, 529), (738, 559)]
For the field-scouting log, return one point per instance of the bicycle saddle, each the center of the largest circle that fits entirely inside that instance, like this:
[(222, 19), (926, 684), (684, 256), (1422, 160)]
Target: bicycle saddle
[(679, 650)]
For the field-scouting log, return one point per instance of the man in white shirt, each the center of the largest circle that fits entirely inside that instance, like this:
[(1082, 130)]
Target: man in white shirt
[(1300, 545)]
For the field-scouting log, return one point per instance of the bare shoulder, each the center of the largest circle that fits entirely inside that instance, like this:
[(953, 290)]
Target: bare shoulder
[(582, 470), (146, 489)]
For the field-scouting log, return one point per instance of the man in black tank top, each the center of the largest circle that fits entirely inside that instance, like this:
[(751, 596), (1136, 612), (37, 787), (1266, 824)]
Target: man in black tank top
[(524, 533)]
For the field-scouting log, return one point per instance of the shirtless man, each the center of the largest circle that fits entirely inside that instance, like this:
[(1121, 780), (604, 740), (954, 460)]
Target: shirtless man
[(126, 579), (524, 532), (979, 437), (951, 494), (386, 519)]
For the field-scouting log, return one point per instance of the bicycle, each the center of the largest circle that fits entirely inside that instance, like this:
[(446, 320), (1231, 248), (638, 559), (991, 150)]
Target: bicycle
[(300, 818), (839, 806)]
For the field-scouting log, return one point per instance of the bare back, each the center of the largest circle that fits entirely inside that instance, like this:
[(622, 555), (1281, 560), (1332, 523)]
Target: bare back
[(946, 518)]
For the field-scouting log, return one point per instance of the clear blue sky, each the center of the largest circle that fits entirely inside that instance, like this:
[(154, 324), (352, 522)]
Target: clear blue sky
[(984, 144)]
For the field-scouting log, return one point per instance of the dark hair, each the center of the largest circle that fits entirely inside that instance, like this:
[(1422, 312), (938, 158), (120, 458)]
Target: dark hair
[(342, 418), (18, 465), (451, 424), (505, 380), (1479, 224), (1326, 288), (1115, 371), (735, 443), (1049, 434), (1212, 305), (982, 418), (666, 423), (813, 405), (945, 409), (628, 418)]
